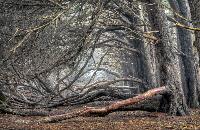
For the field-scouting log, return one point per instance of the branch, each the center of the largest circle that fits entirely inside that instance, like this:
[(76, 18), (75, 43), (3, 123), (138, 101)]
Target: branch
[(107, 109), (178, 24)]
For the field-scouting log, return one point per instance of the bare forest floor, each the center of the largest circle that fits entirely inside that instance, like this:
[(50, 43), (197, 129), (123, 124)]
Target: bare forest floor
[(119, 120)]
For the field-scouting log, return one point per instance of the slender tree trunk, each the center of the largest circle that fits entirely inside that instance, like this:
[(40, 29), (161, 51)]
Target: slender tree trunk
[(151, 73), (136, 64), (2, 97), (142, 65)]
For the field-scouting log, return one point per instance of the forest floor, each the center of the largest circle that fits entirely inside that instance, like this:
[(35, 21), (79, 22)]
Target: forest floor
[(119, 120)]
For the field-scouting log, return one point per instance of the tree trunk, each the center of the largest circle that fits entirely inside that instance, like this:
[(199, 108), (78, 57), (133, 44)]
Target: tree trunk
[(151, 72), (143, 64), (195, 14), (169, 61), (186, 43), (2, 43)]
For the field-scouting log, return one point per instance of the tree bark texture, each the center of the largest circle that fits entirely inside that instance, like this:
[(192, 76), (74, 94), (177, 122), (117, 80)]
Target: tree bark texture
[(186, 46), (195, 15), (169, 61)]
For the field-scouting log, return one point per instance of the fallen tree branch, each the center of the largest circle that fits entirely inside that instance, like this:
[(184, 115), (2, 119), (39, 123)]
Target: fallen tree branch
[(178, 24), (104, 110), (23, 112)]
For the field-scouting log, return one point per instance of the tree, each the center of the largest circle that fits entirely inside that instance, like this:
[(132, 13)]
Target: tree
[(194, 9), (57, 52), (169, 61), (186, 44)]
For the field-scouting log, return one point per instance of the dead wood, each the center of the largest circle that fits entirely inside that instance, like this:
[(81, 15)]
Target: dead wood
[(107, 109), (23, 112)]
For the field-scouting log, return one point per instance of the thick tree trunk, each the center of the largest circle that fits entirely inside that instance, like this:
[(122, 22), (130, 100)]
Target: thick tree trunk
[(186, 43), (169, 60), (195, 14)]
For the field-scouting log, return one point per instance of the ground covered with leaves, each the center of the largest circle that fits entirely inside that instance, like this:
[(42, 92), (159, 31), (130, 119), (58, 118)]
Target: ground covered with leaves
[(119, 120)]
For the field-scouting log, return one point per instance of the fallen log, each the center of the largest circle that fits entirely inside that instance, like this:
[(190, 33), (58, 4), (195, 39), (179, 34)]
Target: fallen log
[(107, 109), (23, 112)]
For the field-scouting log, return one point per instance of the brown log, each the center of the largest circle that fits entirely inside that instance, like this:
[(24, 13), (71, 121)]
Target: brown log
[(102, 110)]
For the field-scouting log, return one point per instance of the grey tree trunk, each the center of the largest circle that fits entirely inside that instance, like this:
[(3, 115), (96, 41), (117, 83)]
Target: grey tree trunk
[(186, 44), (151, 71), (169, 61), (2, 98), (138, 64), (6, 31), (195, 14)]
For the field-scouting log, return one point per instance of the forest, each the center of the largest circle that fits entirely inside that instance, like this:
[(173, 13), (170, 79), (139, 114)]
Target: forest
[(100, 64)]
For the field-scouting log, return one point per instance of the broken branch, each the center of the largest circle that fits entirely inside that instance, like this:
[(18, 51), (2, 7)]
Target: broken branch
[(103, 110)]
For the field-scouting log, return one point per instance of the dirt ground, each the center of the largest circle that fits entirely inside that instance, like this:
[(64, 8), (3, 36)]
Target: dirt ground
[(120, 120)]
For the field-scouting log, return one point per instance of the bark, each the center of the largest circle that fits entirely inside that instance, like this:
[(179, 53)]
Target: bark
[(2, 101), (2, 43), (195, 15), (168, 60), (186, 43), (2, 97), (150, 68), (143, 64), (132, 62), (107, 109)]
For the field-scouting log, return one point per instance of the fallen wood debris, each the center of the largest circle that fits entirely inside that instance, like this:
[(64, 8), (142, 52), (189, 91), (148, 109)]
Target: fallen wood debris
[(107, 109)]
